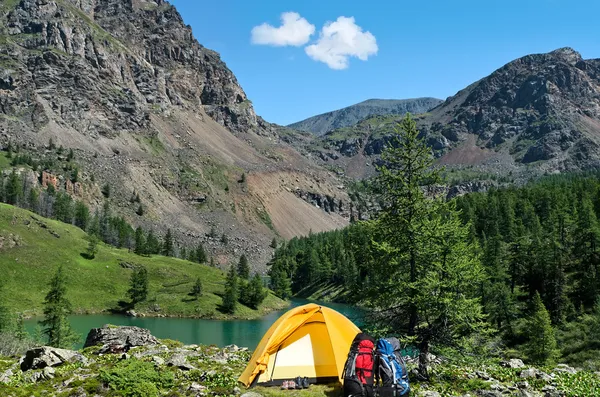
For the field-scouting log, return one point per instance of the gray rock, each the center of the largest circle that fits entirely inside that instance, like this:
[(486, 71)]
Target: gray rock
[(6, 375), (42, 357), (565, 368), (251, 394), (429, 393), (529, 373), (158, 360), (489, 393), (180, 361), (513, 363), (111, 335)]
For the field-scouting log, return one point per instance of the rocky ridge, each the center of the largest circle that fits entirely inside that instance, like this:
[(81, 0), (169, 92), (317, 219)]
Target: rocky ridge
[(537, 114), (348, 116)]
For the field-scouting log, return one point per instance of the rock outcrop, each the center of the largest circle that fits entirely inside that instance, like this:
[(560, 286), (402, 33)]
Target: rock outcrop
[(111, 335), (42, 357)]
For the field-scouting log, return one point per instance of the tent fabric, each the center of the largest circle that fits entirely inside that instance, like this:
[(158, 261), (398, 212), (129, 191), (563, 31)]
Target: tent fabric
[(310, 340)]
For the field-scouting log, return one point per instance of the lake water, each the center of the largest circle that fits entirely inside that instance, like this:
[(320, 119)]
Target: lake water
[(246, 333)]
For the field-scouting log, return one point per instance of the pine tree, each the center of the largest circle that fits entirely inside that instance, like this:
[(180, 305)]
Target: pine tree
[(280, 283), (14, 188), (253, 293), (197, 289), (138, 285), (231, 293), (152, 244), (82, 215), (541, 348), (92, 247), (106, 190), (274, 243), (140, 242), (200, 254), (57, 308), (224, 239), (243, 270), (425, 249), (168, 244)]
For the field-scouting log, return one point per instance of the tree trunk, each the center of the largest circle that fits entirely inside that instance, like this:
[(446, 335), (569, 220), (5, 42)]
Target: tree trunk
[(424, 359)]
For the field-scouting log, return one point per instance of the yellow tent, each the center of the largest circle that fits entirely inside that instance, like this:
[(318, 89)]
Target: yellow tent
[(309, 340)]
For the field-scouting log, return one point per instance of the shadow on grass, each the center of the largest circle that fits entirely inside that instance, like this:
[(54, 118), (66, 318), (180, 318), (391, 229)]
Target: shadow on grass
[(122, 307), (86, 256)]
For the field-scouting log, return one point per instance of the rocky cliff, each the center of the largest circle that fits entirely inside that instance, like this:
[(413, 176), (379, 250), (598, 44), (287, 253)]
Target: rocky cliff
[(147, 109), (348, 116), (539, 113)]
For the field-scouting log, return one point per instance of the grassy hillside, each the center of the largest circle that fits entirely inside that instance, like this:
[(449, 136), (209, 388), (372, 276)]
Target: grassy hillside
[(31, 248)]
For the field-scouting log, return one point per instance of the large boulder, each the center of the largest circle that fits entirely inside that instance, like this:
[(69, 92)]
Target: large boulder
[(111, 335), (46, 356)]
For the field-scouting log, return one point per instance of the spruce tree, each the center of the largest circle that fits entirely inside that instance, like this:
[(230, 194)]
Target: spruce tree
[(57, 308), (140, 242), (541, 348), (274, 243), (200, 254), (168, 244), (243, 270), (92, 247), (231, 293), (280, 283), (197, 289), (82, 215), (424, 248), (14, 188), (138, 285)]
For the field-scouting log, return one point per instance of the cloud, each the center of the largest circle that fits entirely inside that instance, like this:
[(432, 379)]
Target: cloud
[(341, 40), (294, 31)]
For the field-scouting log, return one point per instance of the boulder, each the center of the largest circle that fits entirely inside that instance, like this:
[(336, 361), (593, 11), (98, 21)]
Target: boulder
[(111, 335), (529, 373), (251, 394), (46, 356), (513, 363), (180, 361), (565, 369)]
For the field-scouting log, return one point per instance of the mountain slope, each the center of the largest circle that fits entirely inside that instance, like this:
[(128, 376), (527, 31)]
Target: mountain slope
[(348, 116), (539, 113), (147, 109)]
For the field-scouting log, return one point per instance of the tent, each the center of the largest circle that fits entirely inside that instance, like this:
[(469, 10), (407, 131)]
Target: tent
[(309, 340)]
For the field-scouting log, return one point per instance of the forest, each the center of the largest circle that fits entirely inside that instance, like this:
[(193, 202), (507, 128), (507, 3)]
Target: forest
[(536, 246)]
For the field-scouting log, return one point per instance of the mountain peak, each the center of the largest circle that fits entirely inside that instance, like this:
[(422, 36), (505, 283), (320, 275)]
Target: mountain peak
[(567, 54)]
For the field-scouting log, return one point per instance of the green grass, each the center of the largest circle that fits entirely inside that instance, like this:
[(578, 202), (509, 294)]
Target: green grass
[(97, 285), (4, 161)]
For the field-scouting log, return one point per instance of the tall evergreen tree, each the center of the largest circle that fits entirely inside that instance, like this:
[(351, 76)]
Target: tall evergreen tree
[(140, 242), (197, 289), (243, 270), (200, 254), (425, 251), (57, 308), (138, 285), (167, 246), (82, 215), (231, 293), (14, 188), (541, 347)]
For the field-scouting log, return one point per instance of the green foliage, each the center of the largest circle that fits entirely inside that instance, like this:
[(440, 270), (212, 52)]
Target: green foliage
[(167, 246), (134, 378), (541, 346), (13, 188), (243, 269), (92, 248), (106, 190), (138, 285), (197, 289), (273, 243), (200, 254), (231, 293), (252, 293), (57, 308)]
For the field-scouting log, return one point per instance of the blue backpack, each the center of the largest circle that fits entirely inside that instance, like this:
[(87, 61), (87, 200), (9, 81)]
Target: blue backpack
[(391, 376)]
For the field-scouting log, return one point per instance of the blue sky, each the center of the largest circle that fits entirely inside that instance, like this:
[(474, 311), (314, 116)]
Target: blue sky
[(412, 48)]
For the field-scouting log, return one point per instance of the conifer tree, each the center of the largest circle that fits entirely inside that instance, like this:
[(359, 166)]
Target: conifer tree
[(14, 188), (541, 348), (57, 308), (243, 270), (168, 244), (231, 293), (138, 285), (92, 247), (280, 283), (197, 289), (140, 242), (425, 249), (82, 215), (201, 254), (274, 243)]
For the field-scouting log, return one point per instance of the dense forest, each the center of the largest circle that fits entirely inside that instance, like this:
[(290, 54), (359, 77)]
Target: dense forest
[(542, 238)]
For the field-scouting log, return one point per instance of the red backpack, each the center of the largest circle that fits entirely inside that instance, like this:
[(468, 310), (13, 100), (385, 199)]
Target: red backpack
[(358, 370)]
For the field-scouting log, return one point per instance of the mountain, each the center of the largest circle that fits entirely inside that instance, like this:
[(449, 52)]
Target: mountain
[(537, 114), (348, 116), (156, 120)]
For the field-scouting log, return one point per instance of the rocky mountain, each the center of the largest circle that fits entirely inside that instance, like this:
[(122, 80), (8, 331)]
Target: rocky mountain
[(150, 112), (348, 116), (537, 114)]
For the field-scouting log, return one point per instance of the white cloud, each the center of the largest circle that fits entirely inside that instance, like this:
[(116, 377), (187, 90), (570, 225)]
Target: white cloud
[(341, 40), (294, 31)]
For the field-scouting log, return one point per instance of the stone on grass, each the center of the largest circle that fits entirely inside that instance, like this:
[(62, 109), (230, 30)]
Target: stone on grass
[(46, 356)]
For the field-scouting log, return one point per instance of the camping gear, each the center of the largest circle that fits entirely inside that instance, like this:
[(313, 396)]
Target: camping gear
[(391, 378), (359, 368), (309, 341)]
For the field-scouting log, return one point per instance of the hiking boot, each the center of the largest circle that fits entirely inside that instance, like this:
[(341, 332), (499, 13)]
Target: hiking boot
[(284, 385), (305, 383), (298, 382)]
